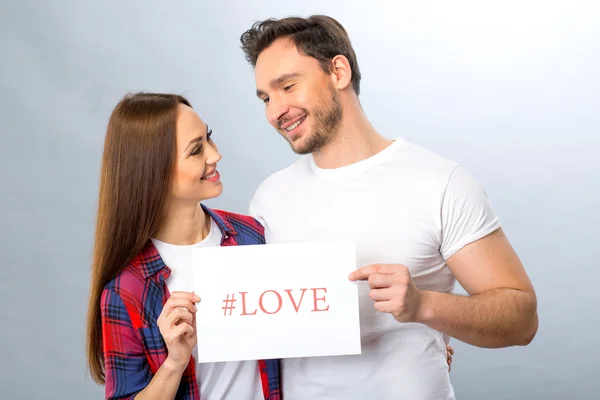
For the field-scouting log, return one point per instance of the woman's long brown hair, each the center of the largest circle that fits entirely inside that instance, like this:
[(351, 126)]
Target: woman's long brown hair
[(135, 185)]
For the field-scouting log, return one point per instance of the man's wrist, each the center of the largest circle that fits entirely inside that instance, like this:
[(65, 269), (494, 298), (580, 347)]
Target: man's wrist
[(426, 311)]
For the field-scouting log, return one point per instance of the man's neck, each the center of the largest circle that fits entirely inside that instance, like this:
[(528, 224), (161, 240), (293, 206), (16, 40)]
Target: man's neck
[(184, 225), (355, 140)]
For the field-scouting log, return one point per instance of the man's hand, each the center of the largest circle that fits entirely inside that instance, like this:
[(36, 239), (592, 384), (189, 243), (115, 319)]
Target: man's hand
[(392, 290), (449, 353)]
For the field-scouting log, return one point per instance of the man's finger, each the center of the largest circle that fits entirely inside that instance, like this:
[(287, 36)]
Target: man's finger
[(363, 273), (386, 306), (378, 281), (381, 294)]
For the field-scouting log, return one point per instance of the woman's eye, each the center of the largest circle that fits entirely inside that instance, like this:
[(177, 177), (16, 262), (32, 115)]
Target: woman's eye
[(196, 151)]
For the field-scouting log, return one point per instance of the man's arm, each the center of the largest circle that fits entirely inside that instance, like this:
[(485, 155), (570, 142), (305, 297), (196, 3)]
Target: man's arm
[(501, 309)]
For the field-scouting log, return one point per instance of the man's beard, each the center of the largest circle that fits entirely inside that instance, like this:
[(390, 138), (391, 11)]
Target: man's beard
[(326, 117)]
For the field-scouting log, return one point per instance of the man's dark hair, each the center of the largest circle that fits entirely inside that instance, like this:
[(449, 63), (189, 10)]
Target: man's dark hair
[(317, 36)]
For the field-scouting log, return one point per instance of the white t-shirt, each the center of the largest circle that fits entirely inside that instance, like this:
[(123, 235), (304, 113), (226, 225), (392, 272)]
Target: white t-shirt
[(404, 205), (224, 380)]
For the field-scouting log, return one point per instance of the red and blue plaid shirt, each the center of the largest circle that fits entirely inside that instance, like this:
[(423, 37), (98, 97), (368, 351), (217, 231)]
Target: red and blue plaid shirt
[(134, 349)]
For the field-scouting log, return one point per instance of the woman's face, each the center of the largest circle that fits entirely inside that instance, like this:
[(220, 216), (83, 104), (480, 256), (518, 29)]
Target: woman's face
[(196, 177)]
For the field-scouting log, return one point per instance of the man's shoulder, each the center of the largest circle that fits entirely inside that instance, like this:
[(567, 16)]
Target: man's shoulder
[(427, 160), (284, 176), (273, 189)]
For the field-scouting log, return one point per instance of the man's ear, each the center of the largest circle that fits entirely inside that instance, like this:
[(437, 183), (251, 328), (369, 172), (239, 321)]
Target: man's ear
[(341, 73)]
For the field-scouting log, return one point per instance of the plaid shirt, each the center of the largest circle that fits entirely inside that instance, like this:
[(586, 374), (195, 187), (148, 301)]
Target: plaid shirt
[(134, 349)]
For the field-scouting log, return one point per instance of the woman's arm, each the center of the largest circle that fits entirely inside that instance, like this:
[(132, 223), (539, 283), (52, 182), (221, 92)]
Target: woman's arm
[(125, 365), (127, 372), (164, 384)]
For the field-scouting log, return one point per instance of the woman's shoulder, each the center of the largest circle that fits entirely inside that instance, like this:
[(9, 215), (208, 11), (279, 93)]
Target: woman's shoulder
[(132, 282), (237, 220), (241, 225)]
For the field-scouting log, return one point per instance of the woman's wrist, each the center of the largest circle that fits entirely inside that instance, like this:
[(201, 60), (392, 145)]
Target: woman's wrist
[(173, 366)]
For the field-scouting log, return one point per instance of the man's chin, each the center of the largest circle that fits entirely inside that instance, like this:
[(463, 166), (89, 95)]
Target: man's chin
[(299, 147)]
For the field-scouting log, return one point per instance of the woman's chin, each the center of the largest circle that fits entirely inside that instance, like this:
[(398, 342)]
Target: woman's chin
[(213, 192)]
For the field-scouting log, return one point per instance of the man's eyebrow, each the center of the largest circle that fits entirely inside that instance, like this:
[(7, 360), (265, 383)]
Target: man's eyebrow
[(278, 82)]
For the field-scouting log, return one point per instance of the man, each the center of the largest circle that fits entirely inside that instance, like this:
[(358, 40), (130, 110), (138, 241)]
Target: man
[(419, 221)]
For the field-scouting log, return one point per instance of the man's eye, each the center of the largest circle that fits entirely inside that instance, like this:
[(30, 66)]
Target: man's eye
[(288, 87), (266, 100)]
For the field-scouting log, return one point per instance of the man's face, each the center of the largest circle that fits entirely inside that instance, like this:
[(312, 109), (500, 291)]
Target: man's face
[(300, 100)]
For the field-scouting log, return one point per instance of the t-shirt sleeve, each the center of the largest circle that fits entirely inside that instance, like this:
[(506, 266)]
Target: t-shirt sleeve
[(254, 207), (467, 214)]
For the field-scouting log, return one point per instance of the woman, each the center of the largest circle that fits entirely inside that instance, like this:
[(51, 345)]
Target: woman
[(159, 163)]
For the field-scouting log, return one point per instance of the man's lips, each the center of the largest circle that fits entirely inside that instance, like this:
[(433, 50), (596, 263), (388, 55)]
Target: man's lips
[(291, 123)]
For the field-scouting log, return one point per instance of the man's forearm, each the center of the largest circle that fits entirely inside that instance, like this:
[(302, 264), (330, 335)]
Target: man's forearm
[(491, 319)]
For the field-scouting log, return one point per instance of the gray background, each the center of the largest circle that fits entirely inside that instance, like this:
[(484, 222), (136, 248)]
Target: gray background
[(510, 90)]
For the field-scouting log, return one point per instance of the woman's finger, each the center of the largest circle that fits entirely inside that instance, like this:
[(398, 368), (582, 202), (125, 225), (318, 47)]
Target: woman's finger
[(174, 318), (173, 335), (177, 302), (177, 316)]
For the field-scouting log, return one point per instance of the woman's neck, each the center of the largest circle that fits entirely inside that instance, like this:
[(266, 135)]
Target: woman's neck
[(184, 225)]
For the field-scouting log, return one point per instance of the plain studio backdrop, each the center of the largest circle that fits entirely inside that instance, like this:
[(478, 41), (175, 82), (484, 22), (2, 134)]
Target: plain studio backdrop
[(511, 90)]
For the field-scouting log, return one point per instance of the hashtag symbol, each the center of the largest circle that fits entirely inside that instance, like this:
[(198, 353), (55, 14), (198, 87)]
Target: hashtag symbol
[(229, 304)]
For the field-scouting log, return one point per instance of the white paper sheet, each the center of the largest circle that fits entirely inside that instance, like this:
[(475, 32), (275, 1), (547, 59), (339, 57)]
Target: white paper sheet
[(298, 301)]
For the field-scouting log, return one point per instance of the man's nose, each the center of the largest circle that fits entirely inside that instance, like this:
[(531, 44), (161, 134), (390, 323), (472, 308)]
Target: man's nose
[(276, 110)]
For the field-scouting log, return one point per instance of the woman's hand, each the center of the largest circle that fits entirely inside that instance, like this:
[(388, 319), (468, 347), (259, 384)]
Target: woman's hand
[(177, 324)]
